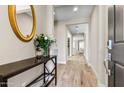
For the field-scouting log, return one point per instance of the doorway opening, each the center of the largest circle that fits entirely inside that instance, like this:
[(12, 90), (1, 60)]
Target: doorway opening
[(77, 34)]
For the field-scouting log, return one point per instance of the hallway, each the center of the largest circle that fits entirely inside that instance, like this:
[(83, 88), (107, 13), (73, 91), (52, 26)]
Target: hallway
[(76, 73)]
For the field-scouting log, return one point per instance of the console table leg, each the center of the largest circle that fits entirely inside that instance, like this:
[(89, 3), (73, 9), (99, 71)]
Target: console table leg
[(3, 82), (44, 74), (55, 71)]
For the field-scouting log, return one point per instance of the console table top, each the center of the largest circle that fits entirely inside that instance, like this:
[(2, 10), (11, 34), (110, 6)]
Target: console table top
[(12, 69)]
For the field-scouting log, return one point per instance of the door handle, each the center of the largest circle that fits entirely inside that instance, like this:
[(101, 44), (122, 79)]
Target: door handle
[(108, 58), (108, 71)]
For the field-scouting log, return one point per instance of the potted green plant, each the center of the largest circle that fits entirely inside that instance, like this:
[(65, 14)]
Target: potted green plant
[(44, 42)]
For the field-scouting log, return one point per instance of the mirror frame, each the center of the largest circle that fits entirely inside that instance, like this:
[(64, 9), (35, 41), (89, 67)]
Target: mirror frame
[(14, 25)]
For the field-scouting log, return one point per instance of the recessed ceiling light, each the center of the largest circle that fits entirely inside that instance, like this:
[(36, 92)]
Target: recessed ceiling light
[(75, 9)]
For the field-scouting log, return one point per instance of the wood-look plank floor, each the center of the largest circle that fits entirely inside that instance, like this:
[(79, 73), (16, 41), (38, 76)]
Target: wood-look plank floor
[(76, 73)]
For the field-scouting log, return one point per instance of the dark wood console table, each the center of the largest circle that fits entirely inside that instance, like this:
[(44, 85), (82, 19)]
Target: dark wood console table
[(9, 70)]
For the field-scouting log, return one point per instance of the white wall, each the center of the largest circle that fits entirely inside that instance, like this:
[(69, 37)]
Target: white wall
[(93, 39), (86, 43), (50, 21), (97, 42), (61, 37), (103, 37), (12, 49), (61, 40)]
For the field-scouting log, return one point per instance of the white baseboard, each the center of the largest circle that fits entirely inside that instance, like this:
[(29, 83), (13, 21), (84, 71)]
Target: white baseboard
[(101, 85), (61, 62)]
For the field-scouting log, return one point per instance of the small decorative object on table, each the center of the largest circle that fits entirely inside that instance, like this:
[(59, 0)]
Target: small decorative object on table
[(38, 52), (43, 42)]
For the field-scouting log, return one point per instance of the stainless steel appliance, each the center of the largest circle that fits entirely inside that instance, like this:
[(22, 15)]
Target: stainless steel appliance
[(116, 46)]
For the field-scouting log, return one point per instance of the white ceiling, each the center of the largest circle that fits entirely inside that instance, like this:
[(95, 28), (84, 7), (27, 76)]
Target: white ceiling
[(65, 12), (78, 28)]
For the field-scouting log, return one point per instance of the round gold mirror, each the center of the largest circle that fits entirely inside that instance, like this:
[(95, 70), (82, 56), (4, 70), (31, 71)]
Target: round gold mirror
[(23, 21)]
